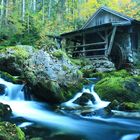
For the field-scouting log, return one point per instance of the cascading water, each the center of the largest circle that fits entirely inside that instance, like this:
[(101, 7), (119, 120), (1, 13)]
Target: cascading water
[(12, 91), (98, 103), (111, 128)]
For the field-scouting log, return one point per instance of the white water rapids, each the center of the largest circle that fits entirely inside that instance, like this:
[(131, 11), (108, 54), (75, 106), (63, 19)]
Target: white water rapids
[(98, 128)]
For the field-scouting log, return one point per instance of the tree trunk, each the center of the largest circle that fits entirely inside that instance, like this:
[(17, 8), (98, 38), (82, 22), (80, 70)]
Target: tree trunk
[(6, 9), (23, 10), (43, 11), (34, 5), (49, 10), (2, 9)]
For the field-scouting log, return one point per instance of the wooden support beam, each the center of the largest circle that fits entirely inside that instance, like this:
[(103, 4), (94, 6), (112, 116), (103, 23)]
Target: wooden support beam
[(101, 36), (91, 56), (106, 39), (91, 50), (84, 42), (92, 44), (110, 33), (111, 40)]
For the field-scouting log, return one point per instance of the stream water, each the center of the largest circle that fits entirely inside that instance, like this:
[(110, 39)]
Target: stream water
[(63, 122)]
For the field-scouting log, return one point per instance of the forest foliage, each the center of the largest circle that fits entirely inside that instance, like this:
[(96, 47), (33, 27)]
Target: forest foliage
[(30, 21)]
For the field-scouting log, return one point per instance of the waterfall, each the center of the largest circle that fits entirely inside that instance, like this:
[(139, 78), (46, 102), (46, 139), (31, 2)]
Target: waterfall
[(96, 97), (12, 91), (37, 113), (89, 90)]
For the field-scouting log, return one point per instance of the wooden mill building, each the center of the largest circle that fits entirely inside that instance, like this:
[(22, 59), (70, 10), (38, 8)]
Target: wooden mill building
[(106, 34)]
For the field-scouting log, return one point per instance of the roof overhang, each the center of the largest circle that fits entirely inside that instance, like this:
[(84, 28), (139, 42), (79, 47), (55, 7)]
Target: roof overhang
[(86, 30), (102, 27)]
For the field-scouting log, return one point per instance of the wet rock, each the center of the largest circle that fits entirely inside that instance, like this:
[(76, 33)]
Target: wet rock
[(12, 58), (9, 78), (88, 114), (5, 111), (51, 75), (84, 99), (98, 65), (138, 138), (132, 85), (10, 131), (103, 65), (129, 106), (120, 86), (63, 136), (114, 105), (2, 89), (37, 138)]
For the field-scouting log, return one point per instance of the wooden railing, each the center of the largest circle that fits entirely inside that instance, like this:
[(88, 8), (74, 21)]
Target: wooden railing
[(86, 45), (91, 50)]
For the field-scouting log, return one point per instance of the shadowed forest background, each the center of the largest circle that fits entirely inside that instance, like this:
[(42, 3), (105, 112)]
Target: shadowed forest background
[(30, 21)]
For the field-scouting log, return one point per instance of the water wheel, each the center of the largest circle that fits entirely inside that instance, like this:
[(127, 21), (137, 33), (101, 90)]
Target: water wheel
[(118, 56)]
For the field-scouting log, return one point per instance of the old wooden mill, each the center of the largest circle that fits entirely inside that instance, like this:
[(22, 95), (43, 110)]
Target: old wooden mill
[(106, 34)]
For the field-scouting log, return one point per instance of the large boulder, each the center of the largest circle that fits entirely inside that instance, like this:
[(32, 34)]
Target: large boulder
[(122, 87), (10, 131), (50, 74)]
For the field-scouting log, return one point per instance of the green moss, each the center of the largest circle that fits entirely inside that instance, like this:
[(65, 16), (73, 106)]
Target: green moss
[(80, 73), (18, 51), (10, 131), (59, 54), (36, 138), (81, 62), (72, 89), (119, 86), (10, 78), (30, 76), (21, 52), (129, 106), (76, 61), (65, 68), (120, 73), (20, 134), (2, 47), (98, 75)]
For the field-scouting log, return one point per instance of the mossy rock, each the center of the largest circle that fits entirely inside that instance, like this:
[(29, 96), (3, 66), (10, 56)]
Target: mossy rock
[(120, 86), (17, 51), (10, 131), (71, 89), (13, 58), (112, 106), (120, 73), (59, 54), (129, 106), (88, 71), (81, 62), (5, 111), (8, 77)]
